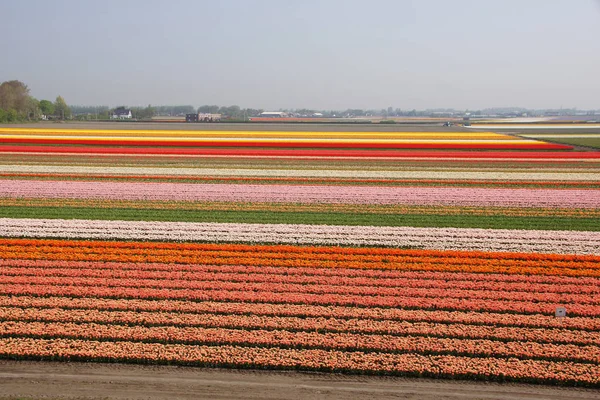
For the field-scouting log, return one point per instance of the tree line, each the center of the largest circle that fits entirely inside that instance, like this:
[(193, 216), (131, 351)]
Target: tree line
[(17, 105)]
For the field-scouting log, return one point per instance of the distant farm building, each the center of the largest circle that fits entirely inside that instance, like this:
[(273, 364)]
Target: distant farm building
[(274, 114), (121, 113), (202, 117)]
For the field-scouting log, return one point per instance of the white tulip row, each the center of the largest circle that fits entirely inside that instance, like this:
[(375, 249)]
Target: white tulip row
[(503, 240)]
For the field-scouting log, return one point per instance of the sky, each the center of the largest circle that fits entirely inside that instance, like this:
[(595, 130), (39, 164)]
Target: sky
[(318, 54)]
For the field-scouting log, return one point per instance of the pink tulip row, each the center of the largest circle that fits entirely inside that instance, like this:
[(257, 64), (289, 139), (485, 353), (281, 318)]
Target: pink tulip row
[(384, 285), (307, 359), (286, 339), (427, 302), (309, 274), (306, 311), (304, 324), (577, 198), (501, 240), (206, 287)]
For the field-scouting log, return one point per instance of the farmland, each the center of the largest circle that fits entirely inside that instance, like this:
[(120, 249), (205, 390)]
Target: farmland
[(350, 249)]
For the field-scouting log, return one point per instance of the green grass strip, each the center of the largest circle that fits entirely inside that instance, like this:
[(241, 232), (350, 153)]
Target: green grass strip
[(318, 218)]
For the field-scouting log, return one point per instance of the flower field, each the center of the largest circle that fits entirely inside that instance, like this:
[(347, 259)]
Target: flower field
[(426, 254)]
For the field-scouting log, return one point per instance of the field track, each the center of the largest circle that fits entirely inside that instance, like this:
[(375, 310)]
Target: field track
[(118, 381)]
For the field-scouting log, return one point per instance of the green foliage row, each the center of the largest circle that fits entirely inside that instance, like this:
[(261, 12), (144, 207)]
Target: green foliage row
[(317, 218)]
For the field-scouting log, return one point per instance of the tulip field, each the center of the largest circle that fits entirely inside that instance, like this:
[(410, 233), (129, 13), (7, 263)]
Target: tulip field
[(420, 254)]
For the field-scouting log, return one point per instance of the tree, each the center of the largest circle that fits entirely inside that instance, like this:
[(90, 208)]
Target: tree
[(47, 107), (14, 95), (61, 108), (208, 109)]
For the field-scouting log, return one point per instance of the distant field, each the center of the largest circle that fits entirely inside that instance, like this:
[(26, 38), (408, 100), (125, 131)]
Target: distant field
[(578, 139)]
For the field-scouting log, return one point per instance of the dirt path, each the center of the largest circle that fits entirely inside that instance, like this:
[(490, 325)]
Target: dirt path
[(118, 381)]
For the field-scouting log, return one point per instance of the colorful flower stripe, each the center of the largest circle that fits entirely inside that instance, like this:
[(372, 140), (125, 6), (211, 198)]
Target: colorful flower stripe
[(176, 161), (27, 132), (440, 318), (279, 255), (410, 302), (320, 360), (290, 143), (559, 242), (326, 153), (312, 276), (307, 194), (385, 277), (385, 295), (439, 176), (296, 207), (304, 324), (472, 264), (539, 184), (303, 340)]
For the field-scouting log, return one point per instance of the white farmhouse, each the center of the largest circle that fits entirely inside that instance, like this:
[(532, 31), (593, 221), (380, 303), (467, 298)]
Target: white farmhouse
[(121, 113)]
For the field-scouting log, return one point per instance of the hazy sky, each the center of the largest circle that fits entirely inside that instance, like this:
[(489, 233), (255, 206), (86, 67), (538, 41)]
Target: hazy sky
[(326, 54)]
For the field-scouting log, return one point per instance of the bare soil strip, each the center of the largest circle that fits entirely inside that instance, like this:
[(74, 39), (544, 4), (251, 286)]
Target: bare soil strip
[(48, 380)]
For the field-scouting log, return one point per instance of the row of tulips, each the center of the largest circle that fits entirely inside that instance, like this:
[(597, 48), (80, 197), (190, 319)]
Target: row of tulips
[(385, 285), (295, 207), (572, 269), (301, 153), (385, 295), (281, 134), (541, 241), (299, 143), (335, 194), (324, 299), (321, 177), (303, 340), (336, 276), (307, 359), (302, 324), (277, 257), (285, 251), (306, 311), (374, 177)]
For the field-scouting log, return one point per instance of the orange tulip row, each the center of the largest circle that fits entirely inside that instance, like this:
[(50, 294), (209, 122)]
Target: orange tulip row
[(540, 371), (304, 340), (297, 256), (303, 324), (440, 318)]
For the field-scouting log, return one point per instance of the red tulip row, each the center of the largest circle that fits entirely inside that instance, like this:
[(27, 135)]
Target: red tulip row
[(154, 144), (303, 340), (388, 294), (293, 153), (307, 359), (448, 303), (307, 311), (312, 276), (303, 324)]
